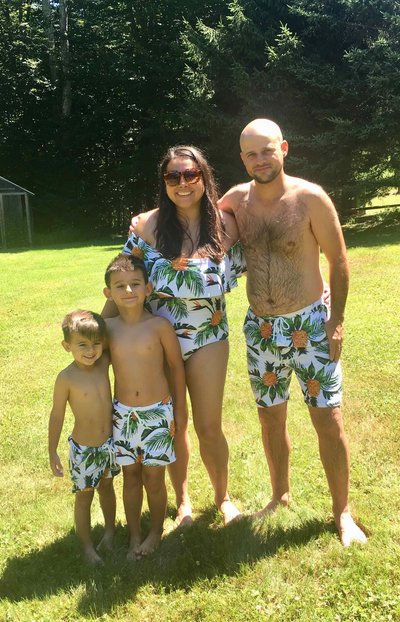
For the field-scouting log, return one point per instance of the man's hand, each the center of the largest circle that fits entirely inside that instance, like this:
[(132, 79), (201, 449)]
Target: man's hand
[(335, 334)]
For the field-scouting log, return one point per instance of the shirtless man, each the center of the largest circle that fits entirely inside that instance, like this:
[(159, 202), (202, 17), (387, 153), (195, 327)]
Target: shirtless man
[(283, 223)]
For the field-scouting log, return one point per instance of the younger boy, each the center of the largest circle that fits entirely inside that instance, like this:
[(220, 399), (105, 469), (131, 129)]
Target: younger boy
[(145, 418), (85, 385)]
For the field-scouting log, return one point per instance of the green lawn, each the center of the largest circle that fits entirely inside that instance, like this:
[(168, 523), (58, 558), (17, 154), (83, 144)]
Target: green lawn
[(292, 566)]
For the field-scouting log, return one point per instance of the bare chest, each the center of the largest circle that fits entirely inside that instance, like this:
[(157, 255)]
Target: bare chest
[(282, 227), (90, 388), (136, 346)]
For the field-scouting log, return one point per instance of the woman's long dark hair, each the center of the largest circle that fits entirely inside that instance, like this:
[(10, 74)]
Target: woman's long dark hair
[(170, 230)]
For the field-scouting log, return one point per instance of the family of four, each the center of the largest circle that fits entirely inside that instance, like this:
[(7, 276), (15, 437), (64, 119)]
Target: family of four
[(165, 330)]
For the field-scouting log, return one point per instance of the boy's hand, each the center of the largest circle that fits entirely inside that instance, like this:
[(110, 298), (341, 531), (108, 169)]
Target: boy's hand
[(56, 466)]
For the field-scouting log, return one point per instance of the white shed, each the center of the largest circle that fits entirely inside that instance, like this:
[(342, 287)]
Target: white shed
[(15, 214)]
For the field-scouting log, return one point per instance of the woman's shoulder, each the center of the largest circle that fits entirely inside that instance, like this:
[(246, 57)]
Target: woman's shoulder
[(144, 225)]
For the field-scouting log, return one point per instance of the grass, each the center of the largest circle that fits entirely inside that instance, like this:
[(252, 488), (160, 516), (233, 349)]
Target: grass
[(292, 566)]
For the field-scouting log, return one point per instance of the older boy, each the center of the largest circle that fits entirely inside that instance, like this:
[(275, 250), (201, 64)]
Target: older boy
[(145, 417), (85, 385)]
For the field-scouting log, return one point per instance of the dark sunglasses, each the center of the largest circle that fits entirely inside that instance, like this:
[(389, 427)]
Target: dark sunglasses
[(190, 175)]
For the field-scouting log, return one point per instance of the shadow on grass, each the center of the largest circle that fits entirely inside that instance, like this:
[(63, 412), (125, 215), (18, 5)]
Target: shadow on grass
[(373, 234), (184, 557)]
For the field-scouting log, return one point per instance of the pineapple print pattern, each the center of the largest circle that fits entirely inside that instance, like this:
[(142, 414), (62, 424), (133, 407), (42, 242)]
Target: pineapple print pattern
[(87, 465), (279, 345), (190, 292), (144, 434)]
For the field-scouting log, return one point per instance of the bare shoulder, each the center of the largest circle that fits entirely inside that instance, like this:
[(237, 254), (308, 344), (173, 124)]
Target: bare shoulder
[(144, 225), (232, 199), (64, 379), (311, 194), (230, 229), (157, 322)]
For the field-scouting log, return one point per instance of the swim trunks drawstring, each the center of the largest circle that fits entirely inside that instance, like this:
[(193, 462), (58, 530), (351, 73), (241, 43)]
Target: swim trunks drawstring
[(279, 325)]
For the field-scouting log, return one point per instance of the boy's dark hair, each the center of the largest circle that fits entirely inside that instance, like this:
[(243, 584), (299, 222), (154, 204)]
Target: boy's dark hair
[(85, 323), (125, 263)]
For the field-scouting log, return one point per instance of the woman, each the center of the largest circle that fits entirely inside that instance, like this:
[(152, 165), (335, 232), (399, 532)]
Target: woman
[(186, 244)]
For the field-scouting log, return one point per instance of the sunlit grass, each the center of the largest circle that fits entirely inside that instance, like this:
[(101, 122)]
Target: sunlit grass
[(291, 567)]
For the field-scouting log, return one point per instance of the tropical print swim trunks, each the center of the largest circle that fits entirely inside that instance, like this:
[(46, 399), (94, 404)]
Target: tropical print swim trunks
[(279, 345), (87, 465), (144, 434)]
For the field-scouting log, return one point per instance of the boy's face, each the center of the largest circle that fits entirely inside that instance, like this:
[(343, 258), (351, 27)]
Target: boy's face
[(84, 350), (128, 289)]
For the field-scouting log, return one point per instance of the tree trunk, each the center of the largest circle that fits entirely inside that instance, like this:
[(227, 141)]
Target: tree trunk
[(65, 58), (48, 20)]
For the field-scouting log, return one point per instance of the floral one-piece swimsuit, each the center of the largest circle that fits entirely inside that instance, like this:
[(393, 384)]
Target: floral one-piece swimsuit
[(190, 292)]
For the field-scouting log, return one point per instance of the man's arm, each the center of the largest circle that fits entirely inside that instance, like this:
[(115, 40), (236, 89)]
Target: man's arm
[(228, 202), (60, 398), (328, 233)]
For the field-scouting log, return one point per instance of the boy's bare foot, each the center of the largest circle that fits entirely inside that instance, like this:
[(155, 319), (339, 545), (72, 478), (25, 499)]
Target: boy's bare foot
[(134, 546), (106, 543), (149, 544), (349, 532), (272, 506), (229, 511), (92, 558), (183, 516)]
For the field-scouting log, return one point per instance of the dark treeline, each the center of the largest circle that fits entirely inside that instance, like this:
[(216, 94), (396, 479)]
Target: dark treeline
[(93, 92)]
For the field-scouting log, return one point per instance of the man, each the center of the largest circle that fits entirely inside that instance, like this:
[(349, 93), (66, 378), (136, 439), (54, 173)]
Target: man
[(283, 223)]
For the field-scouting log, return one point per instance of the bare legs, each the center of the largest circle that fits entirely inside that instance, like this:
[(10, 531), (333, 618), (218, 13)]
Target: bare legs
[(178, 473), (153, 479), (83, 502), (205, 377), (276, 445), (334, 455)]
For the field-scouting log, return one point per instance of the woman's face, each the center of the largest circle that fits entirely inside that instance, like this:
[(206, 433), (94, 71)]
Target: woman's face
[(185, 195)]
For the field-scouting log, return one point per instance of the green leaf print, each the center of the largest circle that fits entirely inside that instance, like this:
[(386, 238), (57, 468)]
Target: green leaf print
[(160, 440)]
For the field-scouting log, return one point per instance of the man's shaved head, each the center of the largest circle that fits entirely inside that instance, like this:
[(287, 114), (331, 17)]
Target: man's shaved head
[(261, 127)]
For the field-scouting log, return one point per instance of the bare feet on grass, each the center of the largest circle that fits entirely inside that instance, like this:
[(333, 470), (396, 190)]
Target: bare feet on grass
[(184, 516), (92, 558), (149, 544), (106, 543), (134, 546), (229, 511), (349, 532), (272, 506)]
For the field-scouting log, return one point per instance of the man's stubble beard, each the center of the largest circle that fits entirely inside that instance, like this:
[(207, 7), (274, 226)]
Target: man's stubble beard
[(272, 175)]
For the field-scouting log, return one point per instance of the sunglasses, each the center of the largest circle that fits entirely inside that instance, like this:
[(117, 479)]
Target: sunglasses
[(190, 175)]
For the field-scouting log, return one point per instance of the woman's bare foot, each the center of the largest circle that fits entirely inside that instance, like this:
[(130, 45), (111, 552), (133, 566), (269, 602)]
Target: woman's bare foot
[(184, 516), (229, 511), (92, 558), (106, 543), (134, 546), (272, 506), (149, 544), (349, 532)]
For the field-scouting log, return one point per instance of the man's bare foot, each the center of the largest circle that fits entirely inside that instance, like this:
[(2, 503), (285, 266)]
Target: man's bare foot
[(149, 544), (92, 558), (229, 511), (134, 546), (349, 532), (184, 516), (106, 543), (272, 506)]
